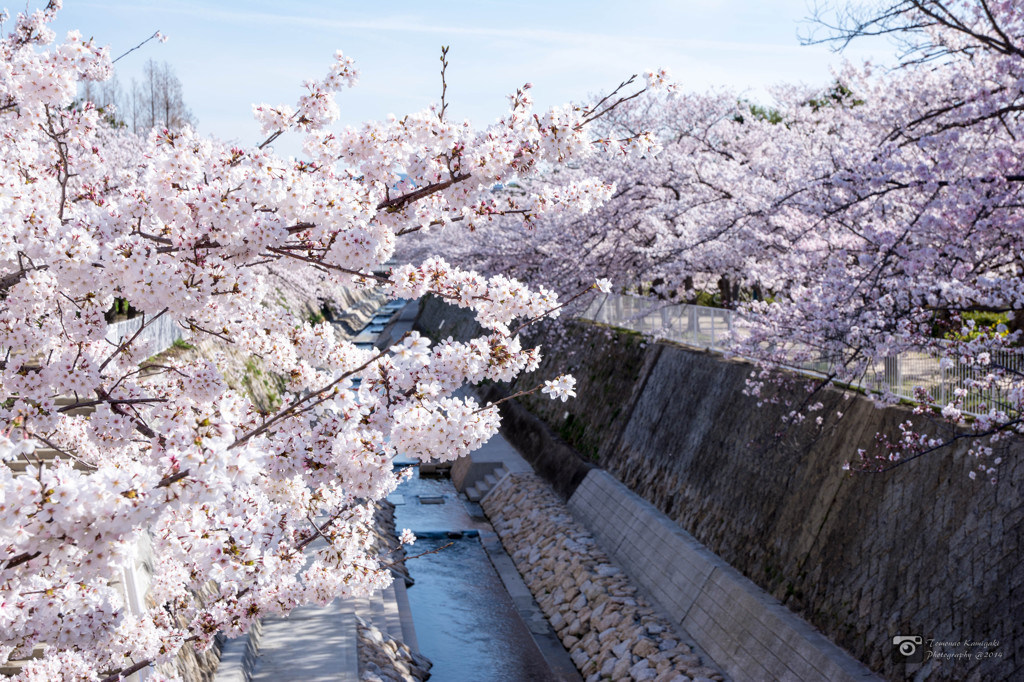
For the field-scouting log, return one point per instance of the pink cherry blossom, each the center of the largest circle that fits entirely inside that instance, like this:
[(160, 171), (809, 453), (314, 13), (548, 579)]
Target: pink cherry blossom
[(273, 507)]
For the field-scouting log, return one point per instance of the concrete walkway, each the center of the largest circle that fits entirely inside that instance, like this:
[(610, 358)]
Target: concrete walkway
[(313, 644), (316, 643)]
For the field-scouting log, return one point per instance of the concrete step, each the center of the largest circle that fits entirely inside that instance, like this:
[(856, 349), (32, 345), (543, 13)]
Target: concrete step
[(363, 608), (475, 493), (378, 614), (479, 490), (64, 401), (499, 474), (435, 468), (381, 611), (41, 456), (46, 455)]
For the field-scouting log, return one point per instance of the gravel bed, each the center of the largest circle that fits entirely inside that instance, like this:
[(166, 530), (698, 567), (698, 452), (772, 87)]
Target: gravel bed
[(385, 659), (609, 629)]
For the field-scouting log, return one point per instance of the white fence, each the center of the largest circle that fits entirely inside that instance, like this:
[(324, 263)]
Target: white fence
[(160, 334), (715, 329)]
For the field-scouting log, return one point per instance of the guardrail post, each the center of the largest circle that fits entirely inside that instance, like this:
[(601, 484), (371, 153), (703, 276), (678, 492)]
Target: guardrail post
[(597, 313), (692, 324), (891, 376)]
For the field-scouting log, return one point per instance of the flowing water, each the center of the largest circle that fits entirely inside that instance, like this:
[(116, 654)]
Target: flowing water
[(465, 620)]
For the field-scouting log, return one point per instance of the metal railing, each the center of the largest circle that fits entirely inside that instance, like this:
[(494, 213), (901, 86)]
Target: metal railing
[(160, 335), (904, 375)]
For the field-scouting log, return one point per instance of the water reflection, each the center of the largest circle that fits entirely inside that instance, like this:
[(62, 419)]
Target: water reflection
[(465, 620)]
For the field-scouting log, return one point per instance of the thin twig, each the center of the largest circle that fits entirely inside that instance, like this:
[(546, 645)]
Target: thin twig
[(125, 344), (313, 399), (444, 83), (392, 564), (156, 34), (125, 672), (518, 394)]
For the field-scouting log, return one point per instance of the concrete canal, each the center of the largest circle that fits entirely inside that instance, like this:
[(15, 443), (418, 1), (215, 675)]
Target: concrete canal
[(466, 622)]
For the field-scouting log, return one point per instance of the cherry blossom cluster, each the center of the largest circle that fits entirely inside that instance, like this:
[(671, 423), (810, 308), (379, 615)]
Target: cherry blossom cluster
[(106, 451), (849, 224)]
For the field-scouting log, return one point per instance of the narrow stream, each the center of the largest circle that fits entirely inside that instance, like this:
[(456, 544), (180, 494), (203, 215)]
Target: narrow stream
[(465, 620)]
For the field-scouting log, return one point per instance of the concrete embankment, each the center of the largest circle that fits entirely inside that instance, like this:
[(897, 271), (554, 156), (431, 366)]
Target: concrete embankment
[(747, 632), (921, 550), (609, 629)]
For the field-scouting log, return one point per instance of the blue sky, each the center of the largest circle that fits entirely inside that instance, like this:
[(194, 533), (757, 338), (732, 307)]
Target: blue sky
[(229, 54)]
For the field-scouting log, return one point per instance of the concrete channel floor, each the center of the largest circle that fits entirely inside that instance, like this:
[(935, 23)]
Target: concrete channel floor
[(313, 644), (555, 655), (498, 450)]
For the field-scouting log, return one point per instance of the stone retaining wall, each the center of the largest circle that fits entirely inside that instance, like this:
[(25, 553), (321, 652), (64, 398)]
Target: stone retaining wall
[(383, 658), (609, 629)]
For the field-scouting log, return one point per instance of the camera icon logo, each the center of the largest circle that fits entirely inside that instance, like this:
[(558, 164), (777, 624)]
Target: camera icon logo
[(907, 648)]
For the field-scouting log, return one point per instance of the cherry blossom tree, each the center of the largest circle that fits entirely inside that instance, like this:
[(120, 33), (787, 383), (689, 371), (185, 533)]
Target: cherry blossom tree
[(866, 220), (271, 508), (916, 196)]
